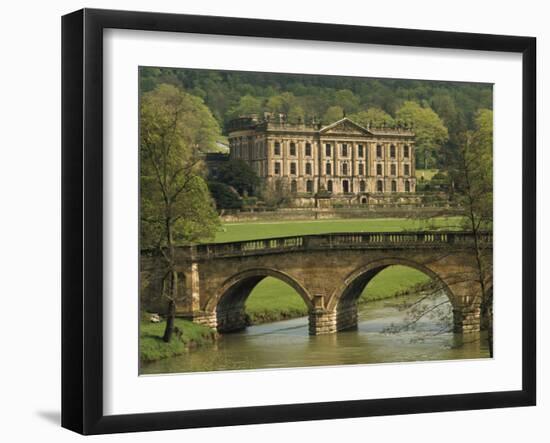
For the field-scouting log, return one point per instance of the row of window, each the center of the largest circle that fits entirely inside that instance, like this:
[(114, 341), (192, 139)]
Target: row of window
[(345, 169), (344, 150), (346, 186)]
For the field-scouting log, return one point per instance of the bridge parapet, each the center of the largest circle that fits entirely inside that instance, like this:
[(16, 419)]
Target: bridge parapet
[(351, 240)]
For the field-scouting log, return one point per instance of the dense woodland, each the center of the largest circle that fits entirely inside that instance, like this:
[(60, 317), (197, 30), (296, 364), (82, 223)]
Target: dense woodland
[(440, 111)]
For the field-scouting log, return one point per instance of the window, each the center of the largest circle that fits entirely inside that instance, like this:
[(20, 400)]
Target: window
[(407, 186), (407, 170), (329, 186), (379, 169), (392, 151), (328, 169), (277, 149), (379, 151), (361, 169), (309, 186), (344, 150), (345, 186), (328, 150), (293, 186), (344, 169), (360, 151), (362, 186), (393, 169), (380, 186), (293, 168), (308, 150), (277, 168), (406, 151), (293, 149), (308, 168), (393, 186)]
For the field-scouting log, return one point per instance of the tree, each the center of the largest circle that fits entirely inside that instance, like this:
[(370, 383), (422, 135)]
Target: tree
[(240, 175), (430, 131), (225, 196), (296, 114), (176, 129), (247, 105), (333, 114), (276, 193), (373, 117), (472, 174), (473, 178)]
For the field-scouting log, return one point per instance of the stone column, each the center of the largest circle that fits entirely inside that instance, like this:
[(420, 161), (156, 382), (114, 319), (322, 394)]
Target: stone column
[(466, 318), (321, 321)]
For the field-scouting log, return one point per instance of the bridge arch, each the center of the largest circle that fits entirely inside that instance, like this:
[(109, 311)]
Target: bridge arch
[(228, 303), (344, 299)]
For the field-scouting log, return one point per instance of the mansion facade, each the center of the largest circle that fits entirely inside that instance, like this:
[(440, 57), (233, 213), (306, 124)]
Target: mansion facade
[(342, 159)]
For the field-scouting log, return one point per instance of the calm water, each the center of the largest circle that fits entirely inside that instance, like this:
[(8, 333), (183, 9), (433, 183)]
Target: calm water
[(288, 344)]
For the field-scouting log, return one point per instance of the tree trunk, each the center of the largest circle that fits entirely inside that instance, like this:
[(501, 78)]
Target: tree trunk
[(170, 318)]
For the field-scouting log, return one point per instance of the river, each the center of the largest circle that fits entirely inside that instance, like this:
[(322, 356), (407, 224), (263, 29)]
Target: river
[(287, 343)]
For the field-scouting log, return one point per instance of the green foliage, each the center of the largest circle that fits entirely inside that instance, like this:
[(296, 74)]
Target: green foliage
[(473, 172), (152, 347), (374, 117), (332, 114), (176, 129), (429, 129), (247, 105), (225, 196), (240, 175)]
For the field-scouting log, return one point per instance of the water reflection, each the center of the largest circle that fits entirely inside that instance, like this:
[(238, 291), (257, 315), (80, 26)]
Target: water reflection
[(287, 344)]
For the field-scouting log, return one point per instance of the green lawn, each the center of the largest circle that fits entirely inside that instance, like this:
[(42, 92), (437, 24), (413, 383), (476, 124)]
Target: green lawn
[(428, 173), (273, 300), (152, 347), (250, 231)]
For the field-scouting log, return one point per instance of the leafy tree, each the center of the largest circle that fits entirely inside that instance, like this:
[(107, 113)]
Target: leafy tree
[(276, 193), (225, 196), (296, 114), (240, 175), (176, 129), (247, 105), (430, 131), (333, 114), (347, 100), (373, 116)]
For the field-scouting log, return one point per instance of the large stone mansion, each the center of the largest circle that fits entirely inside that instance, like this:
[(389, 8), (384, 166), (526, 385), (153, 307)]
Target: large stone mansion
[(340, 160)]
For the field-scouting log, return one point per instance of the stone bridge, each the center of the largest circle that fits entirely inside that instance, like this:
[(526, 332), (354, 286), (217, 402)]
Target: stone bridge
[(328, 271)]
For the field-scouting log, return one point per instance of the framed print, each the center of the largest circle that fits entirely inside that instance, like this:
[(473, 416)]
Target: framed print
[(283, 221)]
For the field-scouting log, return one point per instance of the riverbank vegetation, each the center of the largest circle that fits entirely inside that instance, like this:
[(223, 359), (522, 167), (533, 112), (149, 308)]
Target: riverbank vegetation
[(186, 335)]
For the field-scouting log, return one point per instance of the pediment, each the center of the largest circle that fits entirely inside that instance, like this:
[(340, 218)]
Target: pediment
[(345, 126)]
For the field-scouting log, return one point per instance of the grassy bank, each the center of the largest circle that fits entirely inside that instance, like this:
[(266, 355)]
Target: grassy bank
[(152, 347), (254, 230), (273, 300)]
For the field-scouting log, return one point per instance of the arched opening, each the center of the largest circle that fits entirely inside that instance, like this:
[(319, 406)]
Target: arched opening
[(345, 186), (363, 200), (362, 186), (293, 186), (423, 300), (247, 297)]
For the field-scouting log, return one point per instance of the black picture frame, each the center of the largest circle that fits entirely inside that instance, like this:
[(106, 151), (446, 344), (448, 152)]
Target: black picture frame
[(82, 218)]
